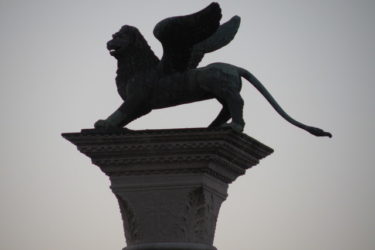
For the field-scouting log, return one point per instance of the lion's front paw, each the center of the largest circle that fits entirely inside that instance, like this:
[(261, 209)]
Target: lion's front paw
[(104, 124)]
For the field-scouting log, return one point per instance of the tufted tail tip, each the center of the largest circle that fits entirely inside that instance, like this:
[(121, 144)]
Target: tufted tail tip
[(319, 132), (327, 134)]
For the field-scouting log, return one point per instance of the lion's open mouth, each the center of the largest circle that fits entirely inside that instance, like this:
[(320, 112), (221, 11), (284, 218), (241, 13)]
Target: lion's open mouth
[(113, 49)]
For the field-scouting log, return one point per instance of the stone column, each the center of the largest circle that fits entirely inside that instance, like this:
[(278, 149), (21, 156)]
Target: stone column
[(170, 183)]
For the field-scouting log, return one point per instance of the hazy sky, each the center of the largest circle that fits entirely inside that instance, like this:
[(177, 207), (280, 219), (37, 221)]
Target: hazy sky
[(316, 57)]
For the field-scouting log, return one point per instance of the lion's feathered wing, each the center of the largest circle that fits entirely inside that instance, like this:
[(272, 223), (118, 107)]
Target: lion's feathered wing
[(185, 39), (224, 35)]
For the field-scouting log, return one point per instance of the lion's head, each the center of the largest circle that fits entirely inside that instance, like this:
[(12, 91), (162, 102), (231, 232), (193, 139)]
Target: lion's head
[(132, 52), (125, 41)]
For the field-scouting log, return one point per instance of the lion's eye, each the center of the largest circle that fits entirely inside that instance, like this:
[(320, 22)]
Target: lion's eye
[(114, 36)]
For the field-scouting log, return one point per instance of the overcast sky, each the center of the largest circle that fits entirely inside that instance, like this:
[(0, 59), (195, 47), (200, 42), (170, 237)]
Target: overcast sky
[(316, 57)]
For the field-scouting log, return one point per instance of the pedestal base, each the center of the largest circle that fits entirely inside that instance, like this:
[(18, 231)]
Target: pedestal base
[(170, 183)]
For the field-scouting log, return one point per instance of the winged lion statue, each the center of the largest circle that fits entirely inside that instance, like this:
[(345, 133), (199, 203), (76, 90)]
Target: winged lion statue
[(146, 82)]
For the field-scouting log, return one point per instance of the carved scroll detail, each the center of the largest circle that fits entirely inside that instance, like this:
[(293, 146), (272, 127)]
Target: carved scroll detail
[(129, 220)]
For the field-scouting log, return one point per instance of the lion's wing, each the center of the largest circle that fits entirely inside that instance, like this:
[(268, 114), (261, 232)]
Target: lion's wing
[(180, 34), (219, 39)]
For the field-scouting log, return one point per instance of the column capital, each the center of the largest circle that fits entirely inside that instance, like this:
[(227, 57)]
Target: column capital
[(221, 153)]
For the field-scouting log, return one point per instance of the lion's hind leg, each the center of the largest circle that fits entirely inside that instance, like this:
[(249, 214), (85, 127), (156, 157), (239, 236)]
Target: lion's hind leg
[(224, 83), (235, 105), (221, 118), (232, 108)]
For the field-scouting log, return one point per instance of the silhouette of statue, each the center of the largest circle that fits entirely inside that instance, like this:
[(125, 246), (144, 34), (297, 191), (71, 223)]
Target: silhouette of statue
[(145, 82)]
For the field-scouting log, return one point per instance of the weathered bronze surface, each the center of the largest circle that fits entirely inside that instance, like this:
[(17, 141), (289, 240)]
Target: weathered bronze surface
[(145, 83)]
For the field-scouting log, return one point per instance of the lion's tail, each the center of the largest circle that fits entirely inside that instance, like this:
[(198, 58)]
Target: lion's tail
[(259, 86)]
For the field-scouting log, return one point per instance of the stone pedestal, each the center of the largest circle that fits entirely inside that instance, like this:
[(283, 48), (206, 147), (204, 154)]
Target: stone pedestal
[(170, 183)]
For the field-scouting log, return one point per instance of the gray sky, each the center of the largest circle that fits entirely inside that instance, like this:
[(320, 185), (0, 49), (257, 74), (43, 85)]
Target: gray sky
[(316, 57)]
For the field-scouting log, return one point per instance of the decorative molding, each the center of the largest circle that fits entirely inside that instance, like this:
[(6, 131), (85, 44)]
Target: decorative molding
[(200, 216), (222, 153)]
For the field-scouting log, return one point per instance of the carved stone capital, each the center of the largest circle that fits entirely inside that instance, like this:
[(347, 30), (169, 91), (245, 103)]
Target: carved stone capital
[(170, 183)]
